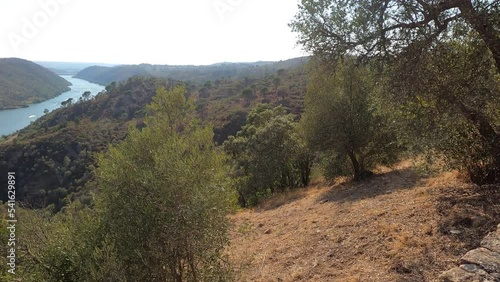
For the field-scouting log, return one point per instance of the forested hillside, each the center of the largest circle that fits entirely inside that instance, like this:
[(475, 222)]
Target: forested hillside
[(378, 160), (23, 82), (105, 75), (54, 156)]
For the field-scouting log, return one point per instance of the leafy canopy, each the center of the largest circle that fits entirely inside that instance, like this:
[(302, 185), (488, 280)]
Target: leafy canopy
[(268, 154), (382, 28), (341, 121), (165, 195)]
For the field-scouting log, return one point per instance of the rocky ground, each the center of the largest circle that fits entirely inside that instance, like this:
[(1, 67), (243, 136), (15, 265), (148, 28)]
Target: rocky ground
[(481, 264), (396, 226)]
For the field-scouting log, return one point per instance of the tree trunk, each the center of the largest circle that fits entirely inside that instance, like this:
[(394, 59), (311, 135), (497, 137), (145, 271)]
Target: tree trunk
[(489, 134), (482, 24), (355, 165)]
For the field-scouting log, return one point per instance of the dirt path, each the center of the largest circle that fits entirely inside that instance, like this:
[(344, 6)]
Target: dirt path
[(397, 226)]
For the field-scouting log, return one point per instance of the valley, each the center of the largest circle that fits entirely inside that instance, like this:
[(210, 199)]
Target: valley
[(311, 140), (23, 83)]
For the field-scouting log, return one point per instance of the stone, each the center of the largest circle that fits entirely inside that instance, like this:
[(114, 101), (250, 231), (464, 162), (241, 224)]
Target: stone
[(488, 260), (491, 242), (268, 231), (455, 232), (471, 268), (458, 274), (481, 264)]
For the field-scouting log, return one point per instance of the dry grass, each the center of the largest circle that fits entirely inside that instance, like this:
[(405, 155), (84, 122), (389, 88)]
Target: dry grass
[(393, 227)]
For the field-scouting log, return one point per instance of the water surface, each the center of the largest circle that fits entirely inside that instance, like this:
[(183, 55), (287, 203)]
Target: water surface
[(13, 120)]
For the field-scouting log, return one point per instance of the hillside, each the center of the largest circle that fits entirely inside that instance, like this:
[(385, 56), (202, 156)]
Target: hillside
[(54, 156), (68, 68), (23, 82), (104, 75), (397, 226)]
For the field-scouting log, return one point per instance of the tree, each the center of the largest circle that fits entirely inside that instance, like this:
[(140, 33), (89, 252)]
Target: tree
[(453, 108), (268, 154), (165, 195), (86, 95), (110, 87), (281, 93), (405, 35), (383, 28), (264, 91), (67, 103), (248, 94), (276, 83), (59, 247), (341, 122)]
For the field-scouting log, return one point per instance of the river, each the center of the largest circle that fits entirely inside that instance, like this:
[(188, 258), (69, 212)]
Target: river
[(13, 120)]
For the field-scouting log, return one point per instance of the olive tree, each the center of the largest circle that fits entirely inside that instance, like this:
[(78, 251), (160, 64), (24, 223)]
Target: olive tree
[(165, 195), (268, 154), (452, 105), (383, 28), (428, 71), (341, 121)]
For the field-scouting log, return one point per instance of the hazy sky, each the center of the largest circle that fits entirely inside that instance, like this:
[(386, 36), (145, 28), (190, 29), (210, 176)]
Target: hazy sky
[(148, 31)]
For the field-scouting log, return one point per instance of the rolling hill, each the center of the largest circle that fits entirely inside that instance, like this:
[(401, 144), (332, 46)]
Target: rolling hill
[(23, 82), (54, 156), (104, 75), (68, 68)]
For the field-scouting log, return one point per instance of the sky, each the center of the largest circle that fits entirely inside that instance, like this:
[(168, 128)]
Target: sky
[(175, 32)]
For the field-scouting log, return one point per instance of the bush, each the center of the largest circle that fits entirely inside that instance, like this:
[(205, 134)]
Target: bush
[(165, 195), (268, 154), (342, 122)]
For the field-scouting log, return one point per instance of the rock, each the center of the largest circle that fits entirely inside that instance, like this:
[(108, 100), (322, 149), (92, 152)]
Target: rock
[(473, 268), (488, 260), (492, 242), (268, 231), (455, 232), (458, 274), (260, 225), (481, 264)]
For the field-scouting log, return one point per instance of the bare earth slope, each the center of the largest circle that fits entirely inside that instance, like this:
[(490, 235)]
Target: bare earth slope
[(397, 226)]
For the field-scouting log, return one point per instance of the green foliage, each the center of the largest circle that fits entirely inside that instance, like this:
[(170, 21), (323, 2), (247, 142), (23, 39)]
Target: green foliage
[(341, 122), (201, 74), (248, 93), (23, 82), (453, 109), (165, 195), (384, 28), (443, 62), (268, 154), (85, 128), (58, 247)]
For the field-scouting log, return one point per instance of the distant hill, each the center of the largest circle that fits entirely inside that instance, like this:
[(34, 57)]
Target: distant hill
[(104, 75), (55, 155), (23, 82), (68, 68)]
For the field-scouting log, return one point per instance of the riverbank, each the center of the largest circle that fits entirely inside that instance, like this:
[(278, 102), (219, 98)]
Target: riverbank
[(12, 120)]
